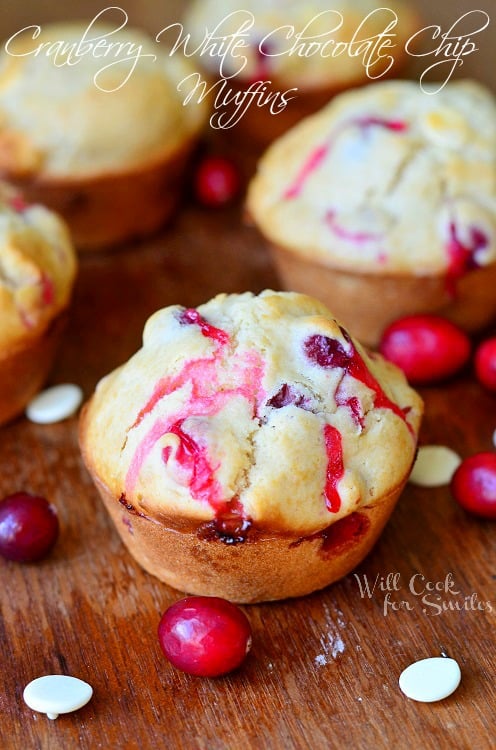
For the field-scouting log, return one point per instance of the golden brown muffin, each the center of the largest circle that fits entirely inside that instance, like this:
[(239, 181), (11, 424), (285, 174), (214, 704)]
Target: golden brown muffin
[(251, 449), (384, 204), (103, 140), (37, 270), (302, 52)]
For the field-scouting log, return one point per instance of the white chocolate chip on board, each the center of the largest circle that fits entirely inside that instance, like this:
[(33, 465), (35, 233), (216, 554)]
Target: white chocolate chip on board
[(56, 694), (435, 466), (55, 404), (430, 680)]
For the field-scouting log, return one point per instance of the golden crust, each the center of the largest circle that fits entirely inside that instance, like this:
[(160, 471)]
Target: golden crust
[(116, 207), (269, 567), (25, 367)]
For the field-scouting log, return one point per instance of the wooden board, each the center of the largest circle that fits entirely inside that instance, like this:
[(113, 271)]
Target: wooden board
[(323, 672)]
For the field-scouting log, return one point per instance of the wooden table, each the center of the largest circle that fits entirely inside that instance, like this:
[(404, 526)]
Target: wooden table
[(323, 672)]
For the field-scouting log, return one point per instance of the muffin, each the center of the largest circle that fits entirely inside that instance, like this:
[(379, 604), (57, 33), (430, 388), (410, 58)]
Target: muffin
[(303, 52), (384, 204), (251, 449), (37, 270), (103, 140)]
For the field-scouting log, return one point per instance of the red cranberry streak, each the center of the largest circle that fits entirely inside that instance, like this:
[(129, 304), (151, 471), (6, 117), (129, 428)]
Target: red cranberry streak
[(462, 256), (211, 388), (190, 316), (321, 152), (348, 234), (335, 467), (18, 204), (193, 458), (47, 290), (330, 353), (47, 298), (347, 531)]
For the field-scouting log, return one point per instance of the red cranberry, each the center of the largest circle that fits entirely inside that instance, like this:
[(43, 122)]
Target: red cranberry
[(485, 363), (204, 636), (287, 395), (29, 527), (216, 181), (427, 348), (474, 485)]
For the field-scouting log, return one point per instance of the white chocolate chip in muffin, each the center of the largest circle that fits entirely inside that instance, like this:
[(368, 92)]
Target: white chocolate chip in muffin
[(445, 126)]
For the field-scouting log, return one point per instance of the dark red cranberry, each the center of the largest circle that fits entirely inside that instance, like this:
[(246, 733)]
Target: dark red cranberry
[(474, 485), (204, 636), (485, 363), (29, 527), (230, 526), (216, 181), (326, 352), (287, 395), (427, 348)]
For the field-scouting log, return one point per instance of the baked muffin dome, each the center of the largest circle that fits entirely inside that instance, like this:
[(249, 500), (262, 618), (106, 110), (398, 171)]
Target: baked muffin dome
[(252, 417), (291, 58), (393, 182), (104, 140), (271, 27), (37, 271), (98, 115)]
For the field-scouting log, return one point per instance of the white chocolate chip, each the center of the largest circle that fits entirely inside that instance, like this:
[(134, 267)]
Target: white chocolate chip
[(445, 127), (56, 694), (430, 680), (435, 466), (55, 404), (494, 438)]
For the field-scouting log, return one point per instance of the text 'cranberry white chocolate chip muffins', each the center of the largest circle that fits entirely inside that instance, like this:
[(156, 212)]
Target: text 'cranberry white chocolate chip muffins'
[(251, 449), (384, 205), (37, 270), (103, 139), (291, 57)]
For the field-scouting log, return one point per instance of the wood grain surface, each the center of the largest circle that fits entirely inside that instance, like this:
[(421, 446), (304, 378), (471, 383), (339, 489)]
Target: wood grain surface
[(323, 671)]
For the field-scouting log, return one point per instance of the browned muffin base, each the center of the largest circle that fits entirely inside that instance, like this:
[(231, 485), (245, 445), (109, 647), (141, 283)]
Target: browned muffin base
[(116, 207), (24, 369), (265, 567), (367, 303)]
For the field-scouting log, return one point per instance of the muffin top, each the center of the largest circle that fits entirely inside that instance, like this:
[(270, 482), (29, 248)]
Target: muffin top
[(257, 406), (273, 50), (386, 179), (37, 269), (68, 115)]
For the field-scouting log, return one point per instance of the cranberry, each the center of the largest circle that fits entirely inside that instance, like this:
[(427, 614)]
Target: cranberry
[(427, 348), (485, 363), (474, 485), (29, 527), (204, 636), (216, 181), (287, 395)]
